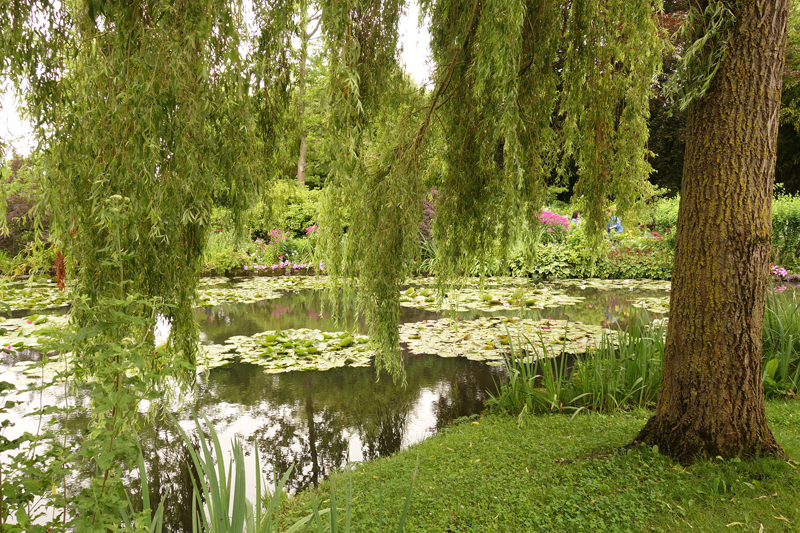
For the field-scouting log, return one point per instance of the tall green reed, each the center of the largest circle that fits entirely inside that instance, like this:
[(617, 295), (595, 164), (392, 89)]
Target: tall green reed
[(623, 372), (781, 365), (221, 504)]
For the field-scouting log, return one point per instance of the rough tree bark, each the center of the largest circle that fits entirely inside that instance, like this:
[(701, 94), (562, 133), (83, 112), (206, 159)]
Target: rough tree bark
[(712, 399)]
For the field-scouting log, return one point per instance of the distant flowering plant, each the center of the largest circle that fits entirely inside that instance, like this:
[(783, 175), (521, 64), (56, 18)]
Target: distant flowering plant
[(277, 235), (281, 265), (553, 219), (311, 230), (778, 271), (554, 226)]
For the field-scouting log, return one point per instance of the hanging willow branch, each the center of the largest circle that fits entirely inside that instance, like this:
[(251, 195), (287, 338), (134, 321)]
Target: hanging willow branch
[(523, 87), (706, 34)]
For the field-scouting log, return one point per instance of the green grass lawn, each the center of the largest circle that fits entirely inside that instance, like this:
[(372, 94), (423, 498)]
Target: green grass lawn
[(553, 473)]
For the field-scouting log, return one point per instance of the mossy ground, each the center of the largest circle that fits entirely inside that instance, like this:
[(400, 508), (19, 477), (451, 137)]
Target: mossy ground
[(554, 473)]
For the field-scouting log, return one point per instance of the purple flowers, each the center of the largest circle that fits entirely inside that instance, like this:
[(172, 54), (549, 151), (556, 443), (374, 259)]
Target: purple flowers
[(283, 265), (778, 271)]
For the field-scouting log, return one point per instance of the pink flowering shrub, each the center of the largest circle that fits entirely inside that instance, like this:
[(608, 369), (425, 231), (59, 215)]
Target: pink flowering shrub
[(778, 271), (553, 219), (277, 235), (555, 226)]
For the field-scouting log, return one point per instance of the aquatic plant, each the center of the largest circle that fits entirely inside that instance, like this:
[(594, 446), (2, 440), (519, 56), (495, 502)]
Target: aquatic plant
[(221, 505), (622, 372), (781, 364)]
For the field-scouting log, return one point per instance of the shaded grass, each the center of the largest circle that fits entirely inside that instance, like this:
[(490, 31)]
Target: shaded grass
[(550, 473)]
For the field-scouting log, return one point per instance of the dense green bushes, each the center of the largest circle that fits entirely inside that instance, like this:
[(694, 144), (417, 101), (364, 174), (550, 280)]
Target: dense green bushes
[(293, 208), (281, 238), (634, 254), (786, 231)]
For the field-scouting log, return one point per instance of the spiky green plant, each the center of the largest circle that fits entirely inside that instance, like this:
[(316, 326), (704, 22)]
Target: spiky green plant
[(781, 365), (624, 371), (227, 509)]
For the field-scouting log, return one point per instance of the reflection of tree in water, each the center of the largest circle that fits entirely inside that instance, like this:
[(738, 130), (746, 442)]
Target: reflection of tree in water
[(293, 310), (382, 427), (167, 462), (169, 473), (314, 444), (464, 393)]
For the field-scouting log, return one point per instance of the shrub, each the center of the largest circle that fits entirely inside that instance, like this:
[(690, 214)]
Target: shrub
[(21, 194), (428, 212), (664, 214), (292, 208), (786, 230)]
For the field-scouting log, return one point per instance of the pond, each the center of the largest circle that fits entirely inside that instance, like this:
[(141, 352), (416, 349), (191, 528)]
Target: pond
[(320, 420)]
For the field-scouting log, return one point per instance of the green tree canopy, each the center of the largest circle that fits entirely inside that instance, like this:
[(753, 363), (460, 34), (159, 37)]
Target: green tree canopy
[(519, 86)]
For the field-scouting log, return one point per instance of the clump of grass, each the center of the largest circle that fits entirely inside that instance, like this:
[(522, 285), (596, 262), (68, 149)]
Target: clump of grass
[(623, 372), (781, 367)]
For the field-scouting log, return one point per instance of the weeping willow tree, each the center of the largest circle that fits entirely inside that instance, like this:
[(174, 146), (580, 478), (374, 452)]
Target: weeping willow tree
[(143, 111), (519, 87)]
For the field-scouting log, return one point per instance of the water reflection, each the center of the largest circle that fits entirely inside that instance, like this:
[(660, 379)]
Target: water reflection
[(294, 310), (318, 421)]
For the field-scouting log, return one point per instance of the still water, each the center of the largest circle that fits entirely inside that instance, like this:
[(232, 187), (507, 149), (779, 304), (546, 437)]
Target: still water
[(318, 421)]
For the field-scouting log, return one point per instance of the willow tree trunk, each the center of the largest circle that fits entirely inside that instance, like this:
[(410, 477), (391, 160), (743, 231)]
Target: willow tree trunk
[(712, 399), (301, 109)]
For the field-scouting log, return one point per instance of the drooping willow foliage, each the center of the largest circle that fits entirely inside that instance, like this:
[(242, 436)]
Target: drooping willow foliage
[(521, 87), (144, 113), (148, 110)]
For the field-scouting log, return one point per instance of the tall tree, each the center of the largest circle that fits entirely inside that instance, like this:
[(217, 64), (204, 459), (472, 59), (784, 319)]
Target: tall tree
[(712, 401), (496, 95), (306, 37)]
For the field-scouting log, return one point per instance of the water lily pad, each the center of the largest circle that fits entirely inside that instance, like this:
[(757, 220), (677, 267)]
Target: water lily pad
[(213, 356), (17, 334), (217, 291), (616, 284), (34, 296), (489, 299), (302, 349), (486, 338), (655, 305)]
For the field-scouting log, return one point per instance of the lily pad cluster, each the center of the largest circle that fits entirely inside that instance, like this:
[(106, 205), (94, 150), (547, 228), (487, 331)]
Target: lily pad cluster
[(487, 338), (46, 370), (211, 356), (302, 349), (34, 296), (656, 305), (616, 284), (217, 291), (488, 299), (17, 334)]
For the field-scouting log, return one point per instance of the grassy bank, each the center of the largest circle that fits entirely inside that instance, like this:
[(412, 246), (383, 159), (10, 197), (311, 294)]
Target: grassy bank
[(553, 473)]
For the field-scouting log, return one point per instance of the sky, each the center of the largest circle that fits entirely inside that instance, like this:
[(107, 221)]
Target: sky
[(416, 50)]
